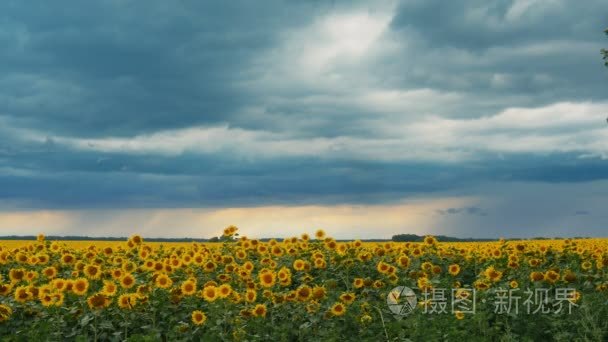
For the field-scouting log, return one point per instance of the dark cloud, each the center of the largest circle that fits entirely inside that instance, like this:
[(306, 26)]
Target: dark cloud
[(127, 69), (88, 180), (543, 52), (465, 210), (115, 68), (478, 25)]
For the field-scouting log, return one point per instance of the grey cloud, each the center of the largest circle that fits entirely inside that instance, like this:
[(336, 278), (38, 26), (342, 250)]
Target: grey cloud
[(123, 71), (115, 68), (478, 25), (465, 210), (548, 51), (530, 209)]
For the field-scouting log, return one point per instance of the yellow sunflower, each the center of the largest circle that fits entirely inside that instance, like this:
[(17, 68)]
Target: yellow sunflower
[(109, 288), (198, 317), (551, 276), (251, 295), (299, 264), (50, 272), (338, 309), (127, 300), (210, 293), (537, 276), (80, 286), (347, 297), (59, 284), (92, 271), (320, 234), (5, 312), (163, 281), (23, 294), (304, 293), (267, 278), (127, 281), (17, 275), (98, 301), (224, 290), (5, 289), (68, 258), (259, 310), (188, 287), (454, 269)]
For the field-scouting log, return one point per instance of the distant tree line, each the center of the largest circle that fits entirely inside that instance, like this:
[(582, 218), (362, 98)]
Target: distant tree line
[(443, 238), (395, 238), (104, 238), (113, 238)]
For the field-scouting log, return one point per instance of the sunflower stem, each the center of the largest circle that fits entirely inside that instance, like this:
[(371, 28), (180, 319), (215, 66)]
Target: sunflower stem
[(383, 325)]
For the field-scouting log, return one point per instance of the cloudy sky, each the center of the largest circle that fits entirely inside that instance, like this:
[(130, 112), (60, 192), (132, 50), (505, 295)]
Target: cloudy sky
[(470, 118)]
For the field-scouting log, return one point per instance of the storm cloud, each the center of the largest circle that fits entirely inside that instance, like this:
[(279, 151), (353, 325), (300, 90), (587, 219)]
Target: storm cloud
[(119, 105)]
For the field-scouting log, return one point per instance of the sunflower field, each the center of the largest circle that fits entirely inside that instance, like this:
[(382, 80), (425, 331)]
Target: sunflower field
[(307, 288)]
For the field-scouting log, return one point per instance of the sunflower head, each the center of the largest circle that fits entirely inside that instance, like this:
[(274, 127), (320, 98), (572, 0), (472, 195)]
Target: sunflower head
[(98, 301), (198, 317), (80, 286), (338, 309), (259, 310)]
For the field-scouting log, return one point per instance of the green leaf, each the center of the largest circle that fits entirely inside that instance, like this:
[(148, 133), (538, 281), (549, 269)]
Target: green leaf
[(85, 320)]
